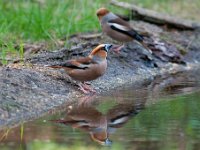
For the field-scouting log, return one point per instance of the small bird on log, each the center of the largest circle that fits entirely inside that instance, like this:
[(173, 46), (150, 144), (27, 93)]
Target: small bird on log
[(87, 68), (117, 28)]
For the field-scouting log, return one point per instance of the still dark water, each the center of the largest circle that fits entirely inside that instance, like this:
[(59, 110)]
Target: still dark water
[(159, 115)]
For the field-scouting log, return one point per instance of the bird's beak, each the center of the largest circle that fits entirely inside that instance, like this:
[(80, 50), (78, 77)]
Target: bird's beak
[(108, 142)]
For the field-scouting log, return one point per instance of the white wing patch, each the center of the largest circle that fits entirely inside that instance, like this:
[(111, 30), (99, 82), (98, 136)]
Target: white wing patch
[(119, 120), (119, 27), (84, 66)]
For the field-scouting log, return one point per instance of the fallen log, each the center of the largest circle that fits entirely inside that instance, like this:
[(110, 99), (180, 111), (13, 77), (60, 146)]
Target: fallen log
[(158, 18)]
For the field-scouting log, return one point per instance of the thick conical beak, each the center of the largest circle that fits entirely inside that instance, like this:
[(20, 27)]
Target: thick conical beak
[(108, 142), (108, 47)]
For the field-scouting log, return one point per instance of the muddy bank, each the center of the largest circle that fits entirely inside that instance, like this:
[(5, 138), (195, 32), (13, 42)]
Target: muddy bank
[(28, 89)]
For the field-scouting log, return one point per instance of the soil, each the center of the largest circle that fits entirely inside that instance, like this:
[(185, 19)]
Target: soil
[(29, 89)]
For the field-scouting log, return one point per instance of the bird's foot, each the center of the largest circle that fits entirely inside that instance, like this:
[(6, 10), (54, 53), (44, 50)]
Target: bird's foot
[(83, 90), (86, 89), (87, 86), (117, 48), (88, 83)]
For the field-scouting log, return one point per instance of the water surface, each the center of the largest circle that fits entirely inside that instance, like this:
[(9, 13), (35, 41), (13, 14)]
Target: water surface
[(163, 114)]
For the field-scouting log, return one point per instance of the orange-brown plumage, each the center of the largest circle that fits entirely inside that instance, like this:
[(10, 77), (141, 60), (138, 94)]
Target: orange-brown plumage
[(102, 12), (88, 119), (98, 52), (87, 68)]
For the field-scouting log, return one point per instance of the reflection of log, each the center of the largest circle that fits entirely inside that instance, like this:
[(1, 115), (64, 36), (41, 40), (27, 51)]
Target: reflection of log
[(156, 17)]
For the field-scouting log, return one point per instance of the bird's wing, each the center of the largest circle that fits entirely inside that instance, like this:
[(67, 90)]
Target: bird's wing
[(80, 63), (123, 27)]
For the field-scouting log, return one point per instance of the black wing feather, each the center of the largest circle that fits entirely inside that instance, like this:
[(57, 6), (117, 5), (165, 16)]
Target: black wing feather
[(132, 33), (70, 65)]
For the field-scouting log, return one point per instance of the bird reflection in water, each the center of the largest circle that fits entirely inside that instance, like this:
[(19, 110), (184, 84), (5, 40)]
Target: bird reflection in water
[(99, 126)]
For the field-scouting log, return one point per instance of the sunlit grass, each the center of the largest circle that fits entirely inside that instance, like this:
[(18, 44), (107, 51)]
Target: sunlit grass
[(44, 20), (33, 20), (41, 20), (22, 131)]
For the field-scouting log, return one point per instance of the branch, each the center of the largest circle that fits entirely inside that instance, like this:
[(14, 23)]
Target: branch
[(155, 17)]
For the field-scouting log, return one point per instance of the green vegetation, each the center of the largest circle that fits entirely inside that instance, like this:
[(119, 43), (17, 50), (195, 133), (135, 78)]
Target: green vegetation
[(47, 21), (181, 8), (33, 20), (75, 146)]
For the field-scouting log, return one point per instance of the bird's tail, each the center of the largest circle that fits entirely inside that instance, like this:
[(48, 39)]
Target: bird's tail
[(53, 66), (139, 37), (135, 35), (145, 46)]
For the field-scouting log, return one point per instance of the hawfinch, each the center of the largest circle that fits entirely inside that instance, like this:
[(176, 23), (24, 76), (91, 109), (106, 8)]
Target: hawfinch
[(117, 28), (87, 68)]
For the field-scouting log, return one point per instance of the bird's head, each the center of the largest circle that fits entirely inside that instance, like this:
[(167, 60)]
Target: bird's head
[(102, 12), (101, 137), (101, 50)]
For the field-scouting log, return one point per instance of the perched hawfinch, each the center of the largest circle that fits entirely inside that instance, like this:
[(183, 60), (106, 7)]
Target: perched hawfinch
[(87, 68), (117, 28)]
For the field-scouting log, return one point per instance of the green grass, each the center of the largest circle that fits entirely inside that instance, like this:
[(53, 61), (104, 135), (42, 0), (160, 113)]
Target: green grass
[(47, 21), (188, 9)]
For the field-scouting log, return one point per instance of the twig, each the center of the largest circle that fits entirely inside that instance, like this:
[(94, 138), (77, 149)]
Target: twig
[(155, 17)]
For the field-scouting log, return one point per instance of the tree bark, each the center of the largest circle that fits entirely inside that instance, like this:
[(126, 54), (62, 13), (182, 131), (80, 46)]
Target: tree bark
[(158, 18)]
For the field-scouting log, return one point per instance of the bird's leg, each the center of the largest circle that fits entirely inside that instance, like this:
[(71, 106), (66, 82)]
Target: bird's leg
[(81, 87), (85, 88), (117, 48), (88, 87), (88, 83)]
